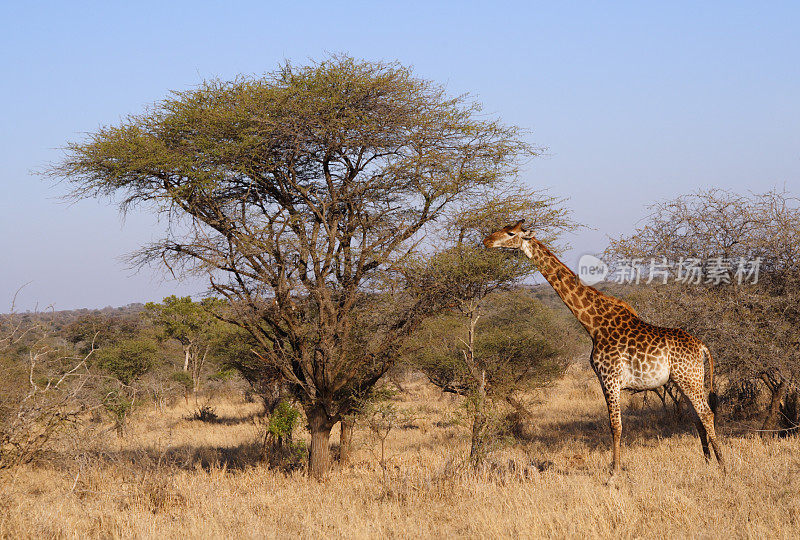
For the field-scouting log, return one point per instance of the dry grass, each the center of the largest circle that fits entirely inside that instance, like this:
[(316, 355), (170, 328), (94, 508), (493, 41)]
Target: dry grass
[(176, 478)]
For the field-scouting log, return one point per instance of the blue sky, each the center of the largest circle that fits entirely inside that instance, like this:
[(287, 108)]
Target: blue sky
[(635, 101)]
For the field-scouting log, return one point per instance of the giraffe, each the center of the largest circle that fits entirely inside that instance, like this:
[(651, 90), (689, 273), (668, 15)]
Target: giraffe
[(627, 353)]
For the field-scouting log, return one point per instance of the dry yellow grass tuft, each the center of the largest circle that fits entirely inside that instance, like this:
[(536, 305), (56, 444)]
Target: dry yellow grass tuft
[(174, 478)]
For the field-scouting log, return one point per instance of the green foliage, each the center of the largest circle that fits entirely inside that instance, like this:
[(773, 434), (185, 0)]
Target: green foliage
[(127, 360), (183, 379), (118, 404), (299, 451), (466, 272), (283, 421), (182, 319), (222, 375), (100, 329), (519, 343), (280, 450)]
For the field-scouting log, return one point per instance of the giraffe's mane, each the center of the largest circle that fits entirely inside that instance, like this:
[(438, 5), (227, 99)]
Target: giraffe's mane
[(614, 300)]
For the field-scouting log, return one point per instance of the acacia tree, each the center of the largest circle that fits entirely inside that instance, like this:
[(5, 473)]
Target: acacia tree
[(753, 327), (297, 193), (192, 324)]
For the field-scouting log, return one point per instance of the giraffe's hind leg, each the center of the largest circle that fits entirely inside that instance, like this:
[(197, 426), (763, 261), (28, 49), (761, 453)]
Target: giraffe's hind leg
[(701, 430), (691, 384)]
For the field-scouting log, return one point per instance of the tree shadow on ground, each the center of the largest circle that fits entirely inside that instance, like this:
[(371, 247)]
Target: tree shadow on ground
[(226, 420), (187, 457), (642, 427)]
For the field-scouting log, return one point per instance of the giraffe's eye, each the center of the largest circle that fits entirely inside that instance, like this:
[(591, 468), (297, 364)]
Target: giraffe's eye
[(509, 233)]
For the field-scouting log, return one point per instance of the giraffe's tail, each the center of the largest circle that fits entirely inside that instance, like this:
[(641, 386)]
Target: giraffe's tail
[(712, 396)]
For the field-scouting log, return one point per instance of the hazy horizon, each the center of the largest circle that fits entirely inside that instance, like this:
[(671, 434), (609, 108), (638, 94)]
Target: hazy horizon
[(634, 103)]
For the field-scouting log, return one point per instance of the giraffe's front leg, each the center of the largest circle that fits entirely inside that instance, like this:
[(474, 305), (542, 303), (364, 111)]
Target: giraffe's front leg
[(615, 419), (612, 388), (611, 382)]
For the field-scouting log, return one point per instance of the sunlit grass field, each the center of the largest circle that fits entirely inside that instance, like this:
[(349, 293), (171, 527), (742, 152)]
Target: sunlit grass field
[(171, 477)]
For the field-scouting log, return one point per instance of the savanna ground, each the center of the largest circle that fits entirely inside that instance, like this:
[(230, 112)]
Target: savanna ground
[(171, 477)]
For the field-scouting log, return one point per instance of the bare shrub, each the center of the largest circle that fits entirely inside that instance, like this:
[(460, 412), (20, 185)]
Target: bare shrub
[(752, 327), (43, 390), (205, 413)]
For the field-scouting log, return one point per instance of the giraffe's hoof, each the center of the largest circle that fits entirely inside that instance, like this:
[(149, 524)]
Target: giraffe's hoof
[(614, 479)]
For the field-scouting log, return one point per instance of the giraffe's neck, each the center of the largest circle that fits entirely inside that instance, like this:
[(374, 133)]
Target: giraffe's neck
[(588, 305)]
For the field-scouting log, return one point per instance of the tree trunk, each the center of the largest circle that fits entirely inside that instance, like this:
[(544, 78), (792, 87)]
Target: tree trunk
[(186, 358), (346, 440), (197, 362), (790, 413), (477, 449), (771, 421), (319, 424)]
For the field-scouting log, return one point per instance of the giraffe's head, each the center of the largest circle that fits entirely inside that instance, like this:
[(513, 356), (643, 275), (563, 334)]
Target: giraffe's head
[(510, 236)]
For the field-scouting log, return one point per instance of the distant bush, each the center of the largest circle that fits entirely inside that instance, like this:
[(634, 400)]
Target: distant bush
[(128, 359)]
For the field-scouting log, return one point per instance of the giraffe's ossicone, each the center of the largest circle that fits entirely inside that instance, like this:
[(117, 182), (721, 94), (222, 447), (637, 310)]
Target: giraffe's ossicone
[(627, 352)]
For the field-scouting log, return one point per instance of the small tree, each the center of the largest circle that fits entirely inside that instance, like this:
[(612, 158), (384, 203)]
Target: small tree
[(465, 275), (125, 362), (193, 325), (510, 344)]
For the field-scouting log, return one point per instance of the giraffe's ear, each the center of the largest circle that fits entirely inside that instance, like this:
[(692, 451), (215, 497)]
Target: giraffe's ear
[(525, 233)]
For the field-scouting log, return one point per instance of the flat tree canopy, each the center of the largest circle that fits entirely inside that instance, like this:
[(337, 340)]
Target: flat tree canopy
[(298, 193)]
